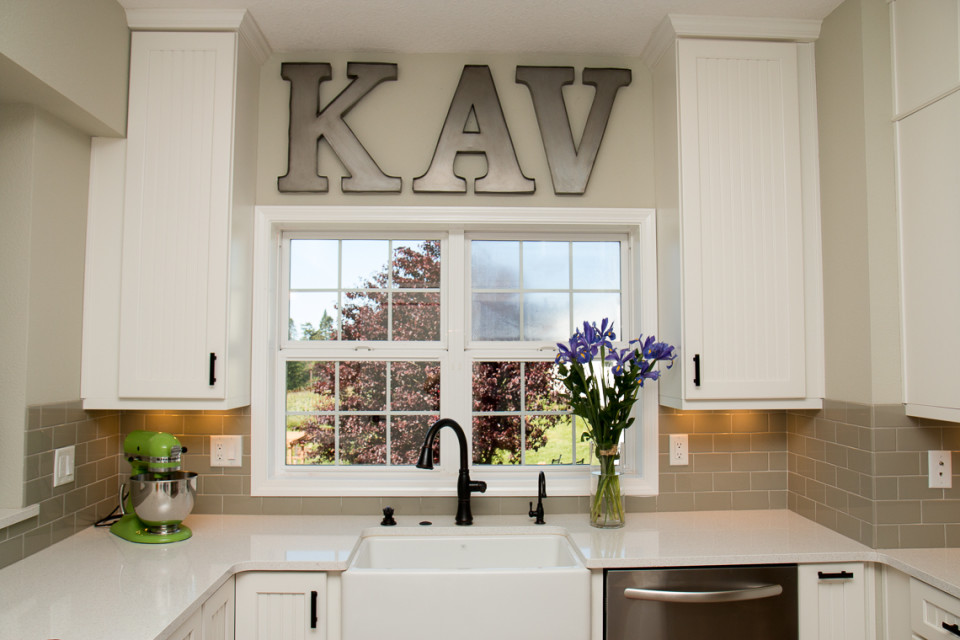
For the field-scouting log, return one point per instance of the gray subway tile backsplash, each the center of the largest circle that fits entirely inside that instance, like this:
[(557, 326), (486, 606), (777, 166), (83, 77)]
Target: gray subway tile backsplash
[(857, 469)]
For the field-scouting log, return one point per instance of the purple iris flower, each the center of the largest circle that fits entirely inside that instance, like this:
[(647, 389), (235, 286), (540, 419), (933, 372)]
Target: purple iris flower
[(585, 351), (620, 360)]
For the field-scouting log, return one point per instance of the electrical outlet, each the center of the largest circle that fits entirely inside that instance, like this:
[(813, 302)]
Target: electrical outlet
[(64, 460), (679, 449), (226, 451), (940, 469)]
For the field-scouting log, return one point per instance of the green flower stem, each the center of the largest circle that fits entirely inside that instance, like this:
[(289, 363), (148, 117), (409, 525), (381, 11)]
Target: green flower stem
[(606, 509)]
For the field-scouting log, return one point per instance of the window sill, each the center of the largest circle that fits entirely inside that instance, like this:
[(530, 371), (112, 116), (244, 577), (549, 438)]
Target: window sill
[(10, 517), (418, 483)]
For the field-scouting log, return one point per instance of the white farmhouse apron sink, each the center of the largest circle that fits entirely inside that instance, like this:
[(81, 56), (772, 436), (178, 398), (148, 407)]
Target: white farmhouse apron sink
[(466, 586)]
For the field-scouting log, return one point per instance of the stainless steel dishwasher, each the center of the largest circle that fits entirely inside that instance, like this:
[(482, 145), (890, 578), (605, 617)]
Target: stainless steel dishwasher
[(691, 603)]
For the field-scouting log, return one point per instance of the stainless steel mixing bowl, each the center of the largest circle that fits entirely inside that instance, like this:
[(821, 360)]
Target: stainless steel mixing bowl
[(162, 501)]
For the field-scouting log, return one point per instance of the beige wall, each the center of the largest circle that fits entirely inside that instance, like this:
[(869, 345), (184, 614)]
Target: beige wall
[(44, 168), (16, 141), (57, 242), (859, 226), (399, 123), (68, 56)]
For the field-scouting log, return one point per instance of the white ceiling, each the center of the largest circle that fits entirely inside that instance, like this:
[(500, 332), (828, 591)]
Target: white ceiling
[(616, 27)]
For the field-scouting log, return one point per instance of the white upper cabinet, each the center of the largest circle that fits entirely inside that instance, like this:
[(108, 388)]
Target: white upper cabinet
[(927, 75), (738, 223), (929, 194), (926, 51), (180, 302)]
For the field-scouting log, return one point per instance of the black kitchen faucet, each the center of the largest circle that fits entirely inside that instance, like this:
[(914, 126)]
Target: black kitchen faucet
[(465, 486)]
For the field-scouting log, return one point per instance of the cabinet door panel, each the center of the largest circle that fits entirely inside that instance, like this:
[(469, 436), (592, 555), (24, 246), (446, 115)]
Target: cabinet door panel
[(832, 608), (929, 167), (218, 613), (926, 48), (742, 219), (277, 606), (176, 213), (189, 630)]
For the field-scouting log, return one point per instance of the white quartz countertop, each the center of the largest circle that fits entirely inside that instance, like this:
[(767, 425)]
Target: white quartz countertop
[(95, 586)]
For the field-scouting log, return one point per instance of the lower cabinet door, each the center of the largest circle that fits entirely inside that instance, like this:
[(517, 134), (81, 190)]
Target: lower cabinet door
[(934, 615), (833, 604), (189, 630), (281, 605), (217, 613)]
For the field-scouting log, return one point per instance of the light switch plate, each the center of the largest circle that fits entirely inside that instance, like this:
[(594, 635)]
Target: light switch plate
[(226, 451), (940, 469), (64, 465), (679, 449)]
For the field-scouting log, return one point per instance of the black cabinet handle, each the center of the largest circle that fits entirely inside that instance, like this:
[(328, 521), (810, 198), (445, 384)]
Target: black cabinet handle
[(696, 370), (952, 628), (843, 575), (313, 609), (213, 369)]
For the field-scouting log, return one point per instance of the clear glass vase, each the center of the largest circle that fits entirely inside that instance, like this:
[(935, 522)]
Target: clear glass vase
[(606, 501)]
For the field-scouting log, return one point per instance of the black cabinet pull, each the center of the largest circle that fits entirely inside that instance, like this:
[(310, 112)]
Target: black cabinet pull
[(843, 575), (313, 609), (213, 369), (696, 370), (952, 628)]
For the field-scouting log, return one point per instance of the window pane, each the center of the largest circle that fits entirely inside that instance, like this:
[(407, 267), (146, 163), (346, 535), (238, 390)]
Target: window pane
[(313, 264), (363, 386), (496, 440), (495, 264), (543, 391), (364, 316), (312, 316), (596, 265), (310, 440), (416, 316), (594, 307), (546, 316), (416, 264), (414, 386), (310, 386), (365, 264), (496, 316), (363, 439), (340, 412), (546, 265), (549, 440), (496, 386), (407, 434)]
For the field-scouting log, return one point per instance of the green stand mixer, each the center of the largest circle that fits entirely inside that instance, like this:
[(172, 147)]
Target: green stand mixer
[(160, 495)]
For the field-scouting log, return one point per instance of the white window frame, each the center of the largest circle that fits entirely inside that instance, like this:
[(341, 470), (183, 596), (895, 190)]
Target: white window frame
[(639, 463)]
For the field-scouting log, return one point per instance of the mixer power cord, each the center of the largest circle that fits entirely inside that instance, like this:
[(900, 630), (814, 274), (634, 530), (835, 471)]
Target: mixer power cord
[(109, 519)]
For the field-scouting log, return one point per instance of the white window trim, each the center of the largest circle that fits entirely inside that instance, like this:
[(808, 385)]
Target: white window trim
[(269, 224)]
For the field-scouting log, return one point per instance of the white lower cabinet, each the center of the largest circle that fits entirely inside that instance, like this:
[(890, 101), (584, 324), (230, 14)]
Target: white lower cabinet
[(934, 615), (213, 620), (189, 630), (287, 605), (833, 602)]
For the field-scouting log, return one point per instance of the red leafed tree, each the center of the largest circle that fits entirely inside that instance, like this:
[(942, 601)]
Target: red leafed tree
[(414, 386)]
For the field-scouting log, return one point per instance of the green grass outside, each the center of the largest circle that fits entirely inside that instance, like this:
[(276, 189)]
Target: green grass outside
[(557, 446)]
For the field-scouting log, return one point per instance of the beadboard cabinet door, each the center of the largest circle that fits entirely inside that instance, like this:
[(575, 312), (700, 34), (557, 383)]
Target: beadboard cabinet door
[(285, 605), (740, 271), (175, 284), (177, 210), (833, 602)]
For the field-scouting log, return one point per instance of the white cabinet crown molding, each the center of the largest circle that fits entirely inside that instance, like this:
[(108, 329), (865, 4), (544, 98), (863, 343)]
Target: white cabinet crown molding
[(728, 27), (238, 20)]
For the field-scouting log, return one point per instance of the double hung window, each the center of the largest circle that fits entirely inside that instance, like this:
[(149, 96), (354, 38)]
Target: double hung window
[(377, 329)]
